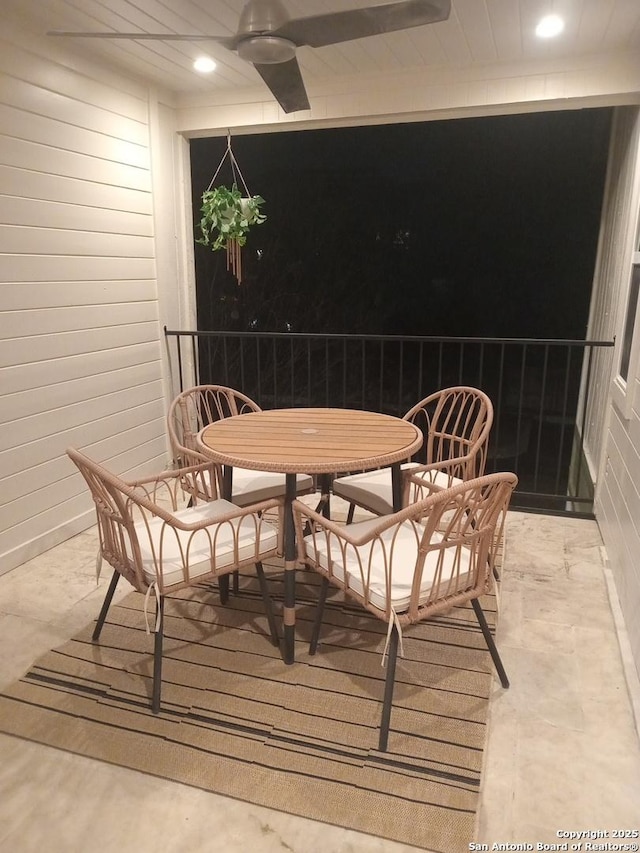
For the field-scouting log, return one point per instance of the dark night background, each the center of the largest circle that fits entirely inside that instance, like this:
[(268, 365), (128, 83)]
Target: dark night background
[(477, 227)]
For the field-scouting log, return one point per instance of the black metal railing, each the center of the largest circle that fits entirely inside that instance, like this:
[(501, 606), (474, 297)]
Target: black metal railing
[(539, 388)]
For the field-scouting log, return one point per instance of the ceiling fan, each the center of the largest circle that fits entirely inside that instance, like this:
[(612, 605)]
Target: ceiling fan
[(268, 37)]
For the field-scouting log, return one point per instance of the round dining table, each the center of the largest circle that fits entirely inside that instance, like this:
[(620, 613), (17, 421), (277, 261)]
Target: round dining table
[(309, 441)]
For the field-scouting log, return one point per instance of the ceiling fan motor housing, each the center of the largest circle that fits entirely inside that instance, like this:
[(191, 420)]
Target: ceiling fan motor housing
[(266, 50), (259, 19)]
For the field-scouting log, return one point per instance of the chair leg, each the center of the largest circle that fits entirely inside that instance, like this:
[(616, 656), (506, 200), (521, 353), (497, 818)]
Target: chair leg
[(157, 657), (105, 605), (315, 633), (223, 585), (490, 642), (324, 505), (352, 509), (389, 684), (268, 605)]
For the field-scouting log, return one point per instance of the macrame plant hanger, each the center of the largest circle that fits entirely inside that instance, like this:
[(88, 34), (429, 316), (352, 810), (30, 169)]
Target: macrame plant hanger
[(234, 254)]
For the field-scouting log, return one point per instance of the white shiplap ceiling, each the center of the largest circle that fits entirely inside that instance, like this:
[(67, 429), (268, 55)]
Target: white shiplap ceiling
[(478, 32)]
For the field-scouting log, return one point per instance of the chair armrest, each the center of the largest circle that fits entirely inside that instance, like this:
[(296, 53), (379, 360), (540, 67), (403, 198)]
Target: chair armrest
[(186, 457), (170, 486), (423, 477), (238, 512), (417, 511), (345, 531), (201, 467), (201, 481), (451, 466)]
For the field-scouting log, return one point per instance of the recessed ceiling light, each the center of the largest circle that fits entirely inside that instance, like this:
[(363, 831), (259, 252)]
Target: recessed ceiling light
[(549, 26), (204, 64)]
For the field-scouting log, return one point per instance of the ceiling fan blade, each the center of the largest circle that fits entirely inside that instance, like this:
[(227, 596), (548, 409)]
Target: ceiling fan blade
[(286, 84), (335, 27), (226, 41)]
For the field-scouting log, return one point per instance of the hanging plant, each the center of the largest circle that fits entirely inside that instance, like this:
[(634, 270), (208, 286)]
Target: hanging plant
[(227, 217)]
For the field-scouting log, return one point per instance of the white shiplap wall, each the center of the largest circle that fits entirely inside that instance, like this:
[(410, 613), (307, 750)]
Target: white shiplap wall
[(614, 426), (612, 270), (80, 355)]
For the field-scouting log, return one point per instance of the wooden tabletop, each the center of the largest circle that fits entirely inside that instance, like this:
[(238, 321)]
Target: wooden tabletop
[(310, 441)]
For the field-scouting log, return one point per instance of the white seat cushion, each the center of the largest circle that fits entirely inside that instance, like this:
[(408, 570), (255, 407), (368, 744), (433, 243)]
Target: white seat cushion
[(373, 489), (159, 533), (252, 486), (373, 559)]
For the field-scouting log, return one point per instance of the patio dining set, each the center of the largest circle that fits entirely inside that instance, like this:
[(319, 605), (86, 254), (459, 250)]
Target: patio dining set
[(250, 484)]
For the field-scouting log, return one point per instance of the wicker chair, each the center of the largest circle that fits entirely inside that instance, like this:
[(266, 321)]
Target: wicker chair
[(161, 548), (413, 564), (456, 423), (196, 407)]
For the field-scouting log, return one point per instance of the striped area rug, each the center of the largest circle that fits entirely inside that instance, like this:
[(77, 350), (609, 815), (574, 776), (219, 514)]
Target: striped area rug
[(301, 739)]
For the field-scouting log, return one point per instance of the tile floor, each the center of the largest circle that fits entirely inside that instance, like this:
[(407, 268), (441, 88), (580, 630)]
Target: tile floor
[(563, 750)]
